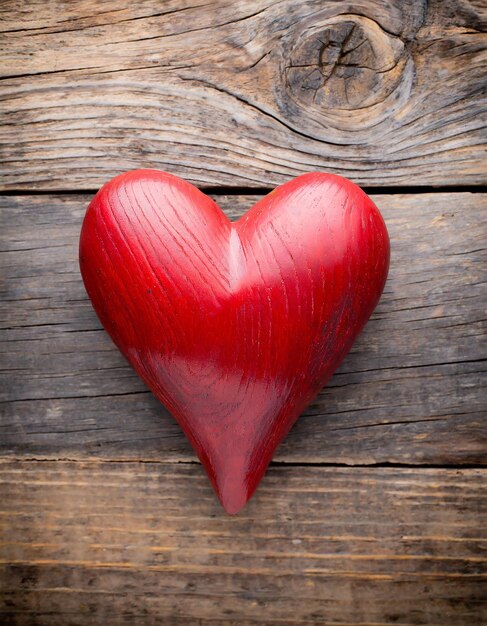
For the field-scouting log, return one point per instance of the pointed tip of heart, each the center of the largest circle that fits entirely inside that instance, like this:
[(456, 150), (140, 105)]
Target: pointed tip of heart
[(234, 483), (233, 503), (233, 495)]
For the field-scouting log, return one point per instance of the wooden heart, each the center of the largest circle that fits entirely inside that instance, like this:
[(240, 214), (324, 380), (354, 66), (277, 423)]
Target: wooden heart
[(235, 327)]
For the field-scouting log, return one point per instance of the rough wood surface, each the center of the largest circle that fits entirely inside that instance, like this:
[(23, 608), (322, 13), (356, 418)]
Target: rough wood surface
[(124, 543), (410, 391), (243, 93)]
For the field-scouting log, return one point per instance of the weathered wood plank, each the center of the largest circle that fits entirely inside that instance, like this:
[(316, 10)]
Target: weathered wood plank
[(410, 391), (91, 543), (243, 93)]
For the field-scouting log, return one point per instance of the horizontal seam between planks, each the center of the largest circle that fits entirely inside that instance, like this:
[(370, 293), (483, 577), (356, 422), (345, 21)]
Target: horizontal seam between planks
[(256, 191), (5, 459)]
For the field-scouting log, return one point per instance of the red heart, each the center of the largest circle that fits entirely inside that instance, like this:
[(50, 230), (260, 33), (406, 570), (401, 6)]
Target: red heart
[(234, 327)]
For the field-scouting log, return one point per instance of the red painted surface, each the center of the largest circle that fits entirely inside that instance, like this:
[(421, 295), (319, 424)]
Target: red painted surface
[(235, 327)]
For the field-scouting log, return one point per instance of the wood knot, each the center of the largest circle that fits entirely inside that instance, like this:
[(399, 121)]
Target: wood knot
[(345, 63)]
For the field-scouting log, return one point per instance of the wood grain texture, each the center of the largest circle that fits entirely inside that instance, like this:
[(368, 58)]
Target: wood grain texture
[(243, 93), (411, 391), (146, 543), (249, 94)]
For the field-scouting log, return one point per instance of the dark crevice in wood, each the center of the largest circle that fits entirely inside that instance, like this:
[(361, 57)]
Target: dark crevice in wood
[(45, 31), (111, 24), (447, 466), (80, 397), (195, 461), (257, 191), (81, 70), (29, 75), (194, 30), (248, 191)]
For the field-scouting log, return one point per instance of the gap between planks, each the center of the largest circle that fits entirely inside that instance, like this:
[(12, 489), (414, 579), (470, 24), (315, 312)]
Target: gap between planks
[(6, 459), (259, 191)]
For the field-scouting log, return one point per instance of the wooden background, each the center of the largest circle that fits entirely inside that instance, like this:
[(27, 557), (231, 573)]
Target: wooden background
[(374, 510)]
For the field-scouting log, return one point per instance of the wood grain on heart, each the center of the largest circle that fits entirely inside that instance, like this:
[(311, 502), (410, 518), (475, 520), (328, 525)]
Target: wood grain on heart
[(235, 327)]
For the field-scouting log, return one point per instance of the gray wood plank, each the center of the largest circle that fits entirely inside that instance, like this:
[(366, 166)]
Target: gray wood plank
[(409, 392), (244, 93)]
